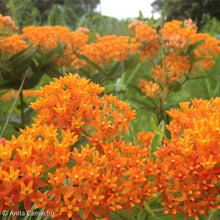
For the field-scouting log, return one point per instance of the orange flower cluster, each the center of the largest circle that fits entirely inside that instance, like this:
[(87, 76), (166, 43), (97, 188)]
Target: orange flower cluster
[(7, 25), (110, 48), (145, 138), (49, 36), (12, 44), (178, 35), (40, 167), (175, 36), (188, 173), (133, 24), (179, 58), (207, 50), (73, 103), (149, 40), (149, 88)]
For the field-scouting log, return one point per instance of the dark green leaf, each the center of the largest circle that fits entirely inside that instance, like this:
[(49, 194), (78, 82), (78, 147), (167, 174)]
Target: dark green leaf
[(117, 68), (60, 49), (70, 164), (194, 46), (176, 86), (98, 78), (81, 56), (53, 169), (124, 215), (158, 136), (28, 114), (142, 215), (132, 61)]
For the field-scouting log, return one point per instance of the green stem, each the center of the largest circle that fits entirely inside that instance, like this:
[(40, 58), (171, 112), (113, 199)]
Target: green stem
[(22, 105), (162, 111), (157, 211), (13, 106)]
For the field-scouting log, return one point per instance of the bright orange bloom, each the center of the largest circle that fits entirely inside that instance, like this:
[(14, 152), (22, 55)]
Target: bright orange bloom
[(149, 39), (12, 44), (7, 26), (189, 163), (149, 88), (26, 193), (45, 166)]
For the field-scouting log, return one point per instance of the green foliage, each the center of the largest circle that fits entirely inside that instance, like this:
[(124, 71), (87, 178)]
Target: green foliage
[(31, 61), (158, 136), (52, 12), (199, 10), (211, 26)]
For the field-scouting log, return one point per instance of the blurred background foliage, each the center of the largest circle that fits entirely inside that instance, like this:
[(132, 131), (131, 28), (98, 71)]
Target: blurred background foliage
[(52, 12), (200, 11)]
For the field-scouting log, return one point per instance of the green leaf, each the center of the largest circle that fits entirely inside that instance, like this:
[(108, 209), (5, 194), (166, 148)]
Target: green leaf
[(15, 120), (39, 217), (124, 215), (115, 216), (215, 214), (142, 215), (98, 78), (128, 31), (81, 56), (158, 136), (111, 88), (190, 50), (5, 65), (158, 130), (176, 86), (53, 169), (81, 20), (132, 62), (70, 164), (28, 114), (216, 91), (60, 49), (194, 46), (141, 16), (92, 36), (151, 21), (144, 104), (16, 58), (118, 67), (147, 207)]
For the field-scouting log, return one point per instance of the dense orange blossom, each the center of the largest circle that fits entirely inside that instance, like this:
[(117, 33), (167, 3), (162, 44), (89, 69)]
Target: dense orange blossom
[(7, 26), (110, 48), (188, 168), (45, 167), (49, 36), (73, 103), (12, 44), (178, 62), (149, 41)]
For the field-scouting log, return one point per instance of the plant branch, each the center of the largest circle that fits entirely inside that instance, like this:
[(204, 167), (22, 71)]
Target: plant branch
[(13, 106)]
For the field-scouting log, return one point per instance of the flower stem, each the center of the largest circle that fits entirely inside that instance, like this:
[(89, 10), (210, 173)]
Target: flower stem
[(13, 106)]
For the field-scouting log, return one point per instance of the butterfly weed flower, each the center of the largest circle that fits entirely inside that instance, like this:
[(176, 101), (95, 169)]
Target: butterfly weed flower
[(49, 169), (189, 163)]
